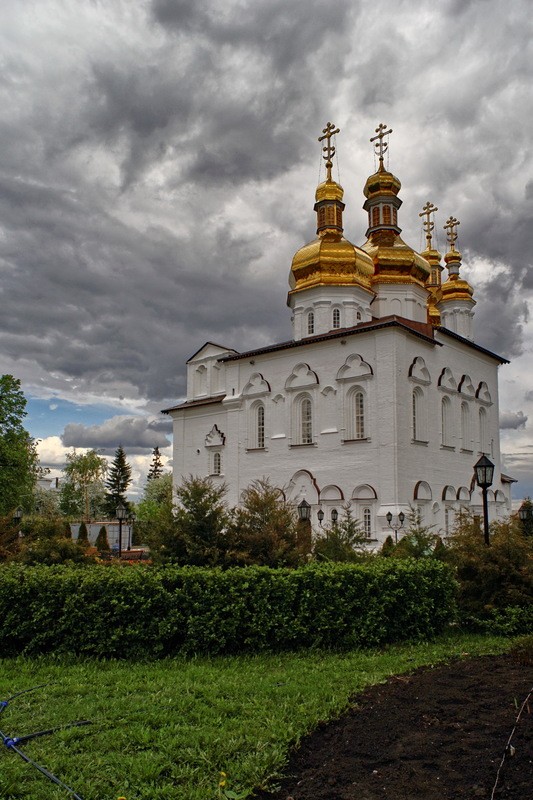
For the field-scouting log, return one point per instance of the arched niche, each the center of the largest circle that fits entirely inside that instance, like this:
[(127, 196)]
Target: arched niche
[(449, 494), (364, 492), (303, 486), (422, 491), (331, 492)]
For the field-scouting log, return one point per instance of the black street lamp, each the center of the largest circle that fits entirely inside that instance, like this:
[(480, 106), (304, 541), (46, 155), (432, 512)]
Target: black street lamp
[(122, 513), (17, 516), (320, 515), (525, 512), (304, 511), (399, 519), (130, 531), (484, 472), (334, 515)]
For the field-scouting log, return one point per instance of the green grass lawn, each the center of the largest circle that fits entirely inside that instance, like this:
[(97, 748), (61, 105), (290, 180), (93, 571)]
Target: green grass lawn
[(166, 729)]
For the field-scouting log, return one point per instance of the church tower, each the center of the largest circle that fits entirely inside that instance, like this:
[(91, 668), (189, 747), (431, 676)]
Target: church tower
[(454, 300), (330, 279), (400, 273)]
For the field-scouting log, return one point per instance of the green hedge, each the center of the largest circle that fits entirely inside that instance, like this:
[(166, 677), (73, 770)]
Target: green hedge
[(114, 612)]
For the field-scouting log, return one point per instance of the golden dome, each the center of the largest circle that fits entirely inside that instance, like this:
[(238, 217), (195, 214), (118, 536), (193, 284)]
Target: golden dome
[(381, 182), (330, 259), (394, 261), (455, 288)]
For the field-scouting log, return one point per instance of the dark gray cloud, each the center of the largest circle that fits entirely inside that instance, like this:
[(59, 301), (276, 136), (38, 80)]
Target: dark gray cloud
[(158, 163), (512, 420), (135, 434)]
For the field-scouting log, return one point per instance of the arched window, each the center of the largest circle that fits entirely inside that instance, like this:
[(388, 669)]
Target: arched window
[(483, 431), (358, 317), (310, 323), (394, 216), (355, 420), (417, 400), (367, 522), (306, 421), (200, 380), (260, 425), (321, 216), (217, 464), (386, 215), (375, 216), (465, 427), (336, 318), (446, 422)]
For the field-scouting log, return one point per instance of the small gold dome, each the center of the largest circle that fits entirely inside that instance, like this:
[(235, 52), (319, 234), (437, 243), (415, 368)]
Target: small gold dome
[(329, 190), (332, 260), (381, 182), (394, 261)]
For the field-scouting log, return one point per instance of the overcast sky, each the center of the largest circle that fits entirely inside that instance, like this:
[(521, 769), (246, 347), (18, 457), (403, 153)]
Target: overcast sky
[(158, 162)]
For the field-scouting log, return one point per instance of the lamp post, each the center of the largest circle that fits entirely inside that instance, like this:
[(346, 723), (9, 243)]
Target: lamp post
[(525, 512), (122, 513), (334, 516), (17, 516), (484, 472), (399, 519), (320, 515), (130, 532), (304, 511)]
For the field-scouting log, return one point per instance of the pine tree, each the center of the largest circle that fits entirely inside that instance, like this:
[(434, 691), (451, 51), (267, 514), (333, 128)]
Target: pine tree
[(156, 467), (102, 542), (117, 481), (83, 535)]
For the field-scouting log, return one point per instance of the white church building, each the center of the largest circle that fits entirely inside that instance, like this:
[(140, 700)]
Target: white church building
[(381, 399)]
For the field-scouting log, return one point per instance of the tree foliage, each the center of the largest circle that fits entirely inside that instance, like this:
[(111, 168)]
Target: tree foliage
[(265, 530), (18, 457), (117, 481), (82, 491), (102, 542), (343, 540), (156, 466)]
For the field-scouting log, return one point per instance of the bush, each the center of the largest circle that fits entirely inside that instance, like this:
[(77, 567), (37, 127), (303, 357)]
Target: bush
[(83, 536), (102, 542), (116, 612)]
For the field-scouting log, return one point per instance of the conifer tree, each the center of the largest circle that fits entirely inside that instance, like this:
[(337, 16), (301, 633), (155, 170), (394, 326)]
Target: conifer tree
[(83, 535), (117, 481), (102, 542), (156, 467)]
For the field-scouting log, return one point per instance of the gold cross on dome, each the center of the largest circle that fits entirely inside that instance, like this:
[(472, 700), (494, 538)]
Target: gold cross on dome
[(380, 146), (329, 131), (451, 231), (428, 223)]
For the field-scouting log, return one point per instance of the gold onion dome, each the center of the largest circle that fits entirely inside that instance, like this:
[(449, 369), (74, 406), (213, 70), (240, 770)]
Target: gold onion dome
[(454, 288), (394, 261), (330, 259)]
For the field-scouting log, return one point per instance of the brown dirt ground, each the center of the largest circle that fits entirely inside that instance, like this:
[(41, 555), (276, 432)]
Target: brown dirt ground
[(438, 733)]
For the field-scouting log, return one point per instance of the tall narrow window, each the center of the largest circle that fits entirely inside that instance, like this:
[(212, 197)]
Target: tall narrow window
[(386, 215), (446, 422), (306, 421), (483, 438), (359, 415), (310, 323), (260, 426), (367, 522), (375, 216), (465, 427), (217, 464), (416, 413), (336, 318)]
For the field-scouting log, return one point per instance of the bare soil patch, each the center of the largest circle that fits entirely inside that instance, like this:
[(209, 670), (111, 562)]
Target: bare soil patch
[(437, 734)]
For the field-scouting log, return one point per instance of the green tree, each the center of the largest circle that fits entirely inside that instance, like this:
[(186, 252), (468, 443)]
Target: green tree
[(196, 531), (155, 511), (495, 577), (156, 467), (341, 541), (82, 491), (265, 530), (117, 481), (83, 534), (102, 542), (18, 457)]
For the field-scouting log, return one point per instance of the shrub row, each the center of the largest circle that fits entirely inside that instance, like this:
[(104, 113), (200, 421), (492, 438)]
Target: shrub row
[(146, 611)]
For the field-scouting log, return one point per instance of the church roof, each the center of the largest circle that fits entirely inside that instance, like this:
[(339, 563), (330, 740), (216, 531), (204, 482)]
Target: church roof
[(421, 329), (203, 401), (468, 342)]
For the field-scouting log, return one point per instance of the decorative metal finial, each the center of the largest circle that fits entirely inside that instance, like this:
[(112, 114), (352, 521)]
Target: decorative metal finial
[(380, 146), (428, 223), (451, 232), (329, 131)]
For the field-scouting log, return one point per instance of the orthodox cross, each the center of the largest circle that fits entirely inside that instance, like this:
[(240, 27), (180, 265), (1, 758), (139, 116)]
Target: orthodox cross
[(380, 146), (428, 223), (451, 231), (329, 131)]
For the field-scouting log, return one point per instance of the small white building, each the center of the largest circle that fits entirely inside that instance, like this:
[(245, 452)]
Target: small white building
[(381, 399)]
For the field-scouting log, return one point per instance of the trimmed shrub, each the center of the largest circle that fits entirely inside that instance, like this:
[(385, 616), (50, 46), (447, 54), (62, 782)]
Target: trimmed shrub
[(83, 535), (117, 612), (102, 542)]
